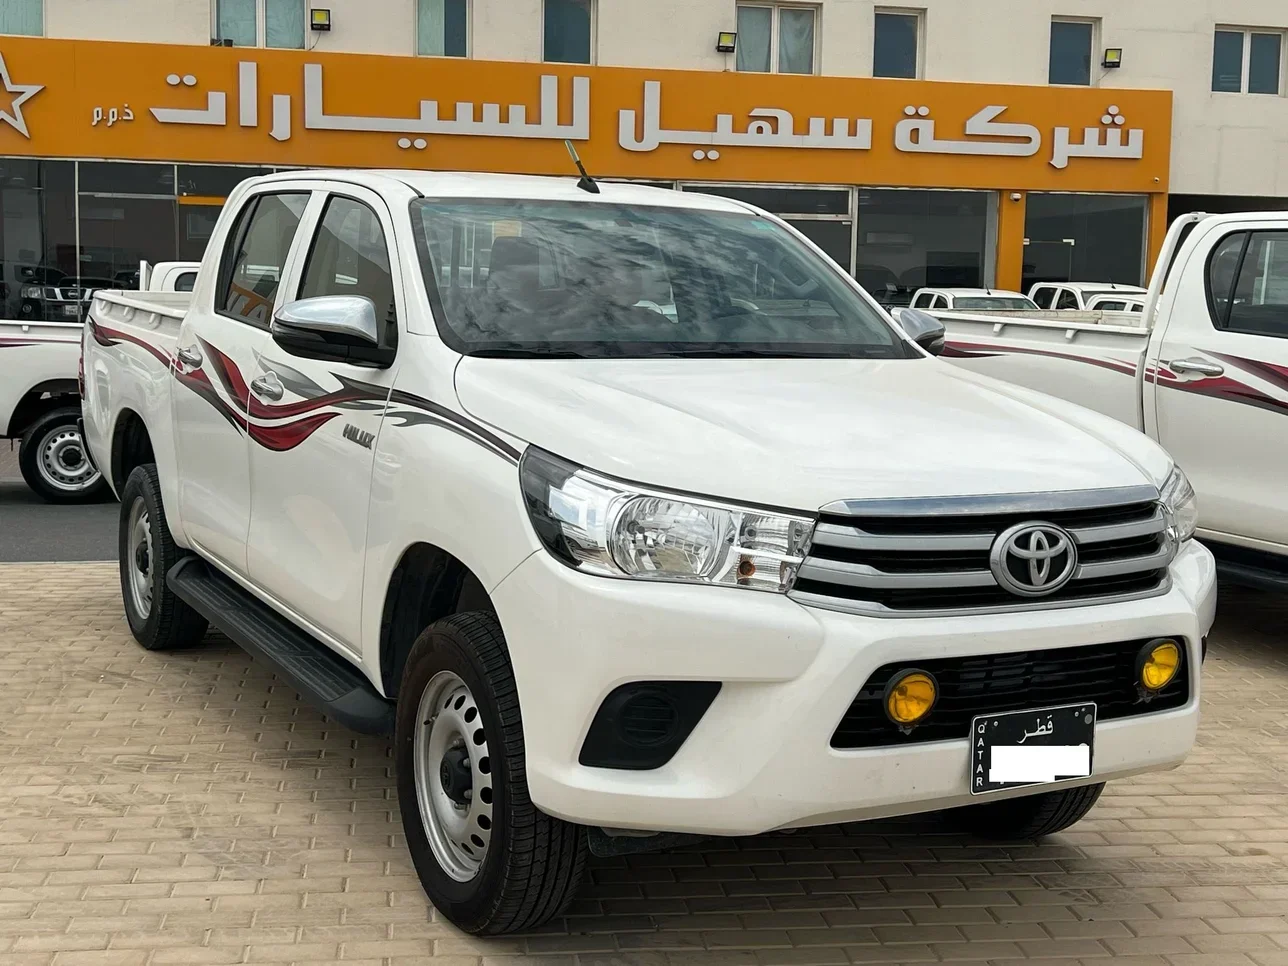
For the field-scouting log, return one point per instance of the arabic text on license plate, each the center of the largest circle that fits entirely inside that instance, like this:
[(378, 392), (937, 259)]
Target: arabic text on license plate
[(1019, 748)]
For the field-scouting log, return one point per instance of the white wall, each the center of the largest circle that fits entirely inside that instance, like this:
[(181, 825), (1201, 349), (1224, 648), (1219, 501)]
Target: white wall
[(1222, 143)]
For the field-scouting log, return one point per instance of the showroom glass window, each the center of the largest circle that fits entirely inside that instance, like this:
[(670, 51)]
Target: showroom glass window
[(1099, 238), (568, 31), (128, 213), (1070, 57), (37, 237), (913, 238), (442, 28), (22, 17)]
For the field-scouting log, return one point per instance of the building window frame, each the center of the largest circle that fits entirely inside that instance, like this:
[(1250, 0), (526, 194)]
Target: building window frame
[(774, 31), (39, 32), (593, 6), (469, 34), (261, 25), (919, 15), (1245, 62), (1093, 45)]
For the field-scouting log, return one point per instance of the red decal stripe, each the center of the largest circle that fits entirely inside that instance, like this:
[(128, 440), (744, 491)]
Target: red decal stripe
[(980, 350), (289, 435)]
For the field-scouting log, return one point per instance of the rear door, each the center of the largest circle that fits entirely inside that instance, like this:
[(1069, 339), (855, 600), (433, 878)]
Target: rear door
[(314, 427), (1221, 390), (214, 352)]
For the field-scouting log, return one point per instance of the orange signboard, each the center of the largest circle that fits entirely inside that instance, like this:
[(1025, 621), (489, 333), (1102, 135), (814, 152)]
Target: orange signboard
[(78, 99)]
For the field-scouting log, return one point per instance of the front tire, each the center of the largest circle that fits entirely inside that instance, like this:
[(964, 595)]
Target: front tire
[(54, 462), (158, 619), (1030, 817), (489, 860)]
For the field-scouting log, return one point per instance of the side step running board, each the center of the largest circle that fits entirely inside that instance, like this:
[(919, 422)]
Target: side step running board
[(318, 673)]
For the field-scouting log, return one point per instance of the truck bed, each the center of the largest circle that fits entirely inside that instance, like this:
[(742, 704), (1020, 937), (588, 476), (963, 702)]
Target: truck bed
[(1093, 363)]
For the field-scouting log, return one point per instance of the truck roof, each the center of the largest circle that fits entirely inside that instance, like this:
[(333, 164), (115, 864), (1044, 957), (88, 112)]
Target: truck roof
[(464, 184), (1099, 287), (983, 292)]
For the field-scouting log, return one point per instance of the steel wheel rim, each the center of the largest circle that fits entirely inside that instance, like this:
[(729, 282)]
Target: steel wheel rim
[(138, 561), (448, 722), (62, 462)]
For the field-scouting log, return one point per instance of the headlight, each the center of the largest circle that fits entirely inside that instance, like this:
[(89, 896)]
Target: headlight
[(32, 292), (1178, 498), (604, 526)]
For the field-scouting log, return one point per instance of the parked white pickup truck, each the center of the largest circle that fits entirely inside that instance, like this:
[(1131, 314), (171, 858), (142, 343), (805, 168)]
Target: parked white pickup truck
[(40, 399), (609, 571), (1207, 375)]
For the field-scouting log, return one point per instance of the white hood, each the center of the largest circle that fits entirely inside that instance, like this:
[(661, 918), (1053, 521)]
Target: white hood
[(802, 433)]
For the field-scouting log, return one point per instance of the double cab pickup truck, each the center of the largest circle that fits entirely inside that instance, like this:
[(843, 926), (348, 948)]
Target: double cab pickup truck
[(630, 516), (1203, 370)]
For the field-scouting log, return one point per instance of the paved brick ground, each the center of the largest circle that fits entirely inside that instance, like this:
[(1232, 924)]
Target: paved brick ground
[(167, 809)]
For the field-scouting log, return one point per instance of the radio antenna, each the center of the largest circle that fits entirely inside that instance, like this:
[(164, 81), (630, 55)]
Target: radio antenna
[(586, 183)]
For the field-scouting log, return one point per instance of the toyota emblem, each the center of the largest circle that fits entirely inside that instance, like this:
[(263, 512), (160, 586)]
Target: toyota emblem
[(1033, 559)]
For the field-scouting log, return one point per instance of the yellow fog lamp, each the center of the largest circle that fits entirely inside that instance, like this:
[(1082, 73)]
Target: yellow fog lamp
[(1157, 664), (909, 697)]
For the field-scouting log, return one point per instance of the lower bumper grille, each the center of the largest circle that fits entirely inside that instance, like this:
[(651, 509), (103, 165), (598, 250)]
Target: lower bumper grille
[(971, 686)]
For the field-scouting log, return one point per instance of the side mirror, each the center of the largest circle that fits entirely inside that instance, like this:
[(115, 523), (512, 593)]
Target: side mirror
[(340, 328), (922, 327)]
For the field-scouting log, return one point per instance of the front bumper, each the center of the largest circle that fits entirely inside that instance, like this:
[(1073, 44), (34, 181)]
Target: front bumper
[(760, 757)]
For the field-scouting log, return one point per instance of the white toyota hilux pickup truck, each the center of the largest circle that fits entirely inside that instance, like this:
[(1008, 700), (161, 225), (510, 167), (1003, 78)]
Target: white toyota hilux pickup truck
[(39, 397), (627, 513), (1206, 375)]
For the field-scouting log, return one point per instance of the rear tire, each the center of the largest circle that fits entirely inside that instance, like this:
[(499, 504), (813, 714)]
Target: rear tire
[(1030, 817), (489, 860), (54, 462), (158, 619)]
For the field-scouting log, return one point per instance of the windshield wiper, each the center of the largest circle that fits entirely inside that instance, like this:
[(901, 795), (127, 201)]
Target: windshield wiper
[(529, 352)]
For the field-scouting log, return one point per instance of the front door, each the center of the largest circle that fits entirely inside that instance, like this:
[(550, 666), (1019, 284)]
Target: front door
[(314, 428), (215, 348), (1221, 393)]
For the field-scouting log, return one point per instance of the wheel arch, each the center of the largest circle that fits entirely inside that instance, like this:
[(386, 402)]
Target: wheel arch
[(41, 398), (427, 584), (131, 447)]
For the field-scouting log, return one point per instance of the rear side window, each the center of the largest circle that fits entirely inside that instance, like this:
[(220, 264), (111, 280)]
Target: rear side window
[(255, 257), (185, 281), (922, 301), (1247, 283), (1067, 300), (349, 256), (1106, 305)]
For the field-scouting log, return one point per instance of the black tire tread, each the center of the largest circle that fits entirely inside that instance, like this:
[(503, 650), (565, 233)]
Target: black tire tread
[(176, 624), (27, 457), (1030, 817), (544, 858)]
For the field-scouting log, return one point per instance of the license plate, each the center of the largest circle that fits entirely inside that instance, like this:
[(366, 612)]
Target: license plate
[(1019, 748), (71, 310)]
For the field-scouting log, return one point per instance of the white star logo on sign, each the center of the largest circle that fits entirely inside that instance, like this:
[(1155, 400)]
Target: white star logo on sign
[(12, 115)]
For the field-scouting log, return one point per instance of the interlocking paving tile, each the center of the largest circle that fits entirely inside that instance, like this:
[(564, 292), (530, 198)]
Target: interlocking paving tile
[(187, 808)]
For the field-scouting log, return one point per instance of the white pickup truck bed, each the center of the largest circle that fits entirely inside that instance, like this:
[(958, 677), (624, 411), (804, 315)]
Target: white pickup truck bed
[(1204, 372)]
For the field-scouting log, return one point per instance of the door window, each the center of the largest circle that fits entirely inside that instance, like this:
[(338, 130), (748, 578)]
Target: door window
[(1067, 300), (1107, 305), (251, 270), (350, 257), (1042, 297), (1248, 283), (922, 301), (939, 303), (185, 281)]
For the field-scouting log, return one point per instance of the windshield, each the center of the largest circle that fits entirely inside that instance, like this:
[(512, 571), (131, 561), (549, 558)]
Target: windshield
[(992, 302), (541, 278)]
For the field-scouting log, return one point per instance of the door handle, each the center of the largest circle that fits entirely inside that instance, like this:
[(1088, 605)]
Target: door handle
[(267, 386), (190, 355), (1200, 367)]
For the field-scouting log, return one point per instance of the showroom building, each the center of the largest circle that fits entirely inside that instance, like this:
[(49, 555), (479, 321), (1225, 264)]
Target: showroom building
[(994, 143)]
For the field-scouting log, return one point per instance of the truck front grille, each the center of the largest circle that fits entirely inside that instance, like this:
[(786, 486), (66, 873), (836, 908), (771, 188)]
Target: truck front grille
[(993, 683), (933, 558)]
